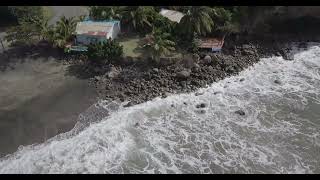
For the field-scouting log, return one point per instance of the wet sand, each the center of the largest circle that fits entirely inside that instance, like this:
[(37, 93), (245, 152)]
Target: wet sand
[(38, 100)]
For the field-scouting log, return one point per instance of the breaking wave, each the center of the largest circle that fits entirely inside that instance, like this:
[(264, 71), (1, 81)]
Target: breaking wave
[(279, 133)]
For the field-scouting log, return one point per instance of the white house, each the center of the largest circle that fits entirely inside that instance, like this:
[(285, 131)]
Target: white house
[(93, 31)]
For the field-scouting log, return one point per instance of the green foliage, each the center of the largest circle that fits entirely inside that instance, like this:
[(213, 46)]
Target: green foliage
[(197, 20), (157, 44), (164, 24), (140, 18), (105, 12), (62, 32), (32, 25), (101, 52), (27, 13)]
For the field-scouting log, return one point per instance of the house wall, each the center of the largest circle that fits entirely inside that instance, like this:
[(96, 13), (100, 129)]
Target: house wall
[(116, 30), (87, 39)]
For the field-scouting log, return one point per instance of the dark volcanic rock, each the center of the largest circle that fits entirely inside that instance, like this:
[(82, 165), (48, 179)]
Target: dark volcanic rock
[(202, 105), (218, 92), (207, 59), (198, 93), (215, 59), (129, 104), (113, 72), (184, 74), (196, 67), (277, 81), (202, 111), (155, 70), (142, 81), (240, 112)]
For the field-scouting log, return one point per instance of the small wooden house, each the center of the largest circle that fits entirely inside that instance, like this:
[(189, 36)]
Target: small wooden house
[(88, 32), (94, 31), (212, 44)]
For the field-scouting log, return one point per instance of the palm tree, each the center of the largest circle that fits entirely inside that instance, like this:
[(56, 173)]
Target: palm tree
[(139, 17), (158, 44), (64, 29), (197, 20), (105, 12)]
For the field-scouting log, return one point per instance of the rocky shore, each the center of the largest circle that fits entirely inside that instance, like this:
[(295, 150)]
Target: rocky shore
[(136, 81)]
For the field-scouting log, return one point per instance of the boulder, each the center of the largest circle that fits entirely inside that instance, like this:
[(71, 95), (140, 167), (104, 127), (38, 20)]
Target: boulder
[(196, 67), (113, 72), (202, 111), (277, 81), (188, 61), (249, 50), (129, 104), (155, 70), (215, 60), (201, 105), (184, 74), (196, 58), (198, 93), (207, 59), (97, 78), (240, 112)]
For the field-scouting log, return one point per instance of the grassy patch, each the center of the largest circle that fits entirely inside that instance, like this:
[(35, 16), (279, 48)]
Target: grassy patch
[(131, 46)]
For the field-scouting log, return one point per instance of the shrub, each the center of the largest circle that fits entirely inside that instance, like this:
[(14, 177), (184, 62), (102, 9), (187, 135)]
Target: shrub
[(101, 52)]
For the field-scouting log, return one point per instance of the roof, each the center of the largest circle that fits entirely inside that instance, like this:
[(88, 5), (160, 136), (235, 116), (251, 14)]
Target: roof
[(211, 43), (172, 15), (95, 28)]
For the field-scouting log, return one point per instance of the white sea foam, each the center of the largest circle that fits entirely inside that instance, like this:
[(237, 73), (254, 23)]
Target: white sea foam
[(279, 132)]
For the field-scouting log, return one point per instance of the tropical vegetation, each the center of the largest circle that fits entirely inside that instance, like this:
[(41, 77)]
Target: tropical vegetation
[(104, 51), (159, 35), (158, 43)]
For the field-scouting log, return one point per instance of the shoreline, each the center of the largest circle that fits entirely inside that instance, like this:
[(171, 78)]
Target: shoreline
[(39, 100), (136, 83)]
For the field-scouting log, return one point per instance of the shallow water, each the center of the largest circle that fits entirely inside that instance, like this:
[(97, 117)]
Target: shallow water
[(279, 133)]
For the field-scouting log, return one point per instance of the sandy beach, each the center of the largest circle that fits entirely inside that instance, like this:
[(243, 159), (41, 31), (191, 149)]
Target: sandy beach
[(38, 100)]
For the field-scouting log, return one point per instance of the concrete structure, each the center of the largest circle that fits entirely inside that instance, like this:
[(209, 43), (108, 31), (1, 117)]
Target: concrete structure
[(175, 16), (94, 31)]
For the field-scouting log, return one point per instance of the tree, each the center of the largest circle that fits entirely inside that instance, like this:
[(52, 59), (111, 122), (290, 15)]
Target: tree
[(102, 51), (223, 20), (105, 12), (29, 31), (63, 31), (27, 13), (157, 43), (198, 20), (139, 17)]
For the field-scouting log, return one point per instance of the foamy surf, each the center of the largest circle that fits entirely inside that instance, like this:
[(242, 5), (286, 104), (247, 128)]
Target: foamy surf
[(279, 132)]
